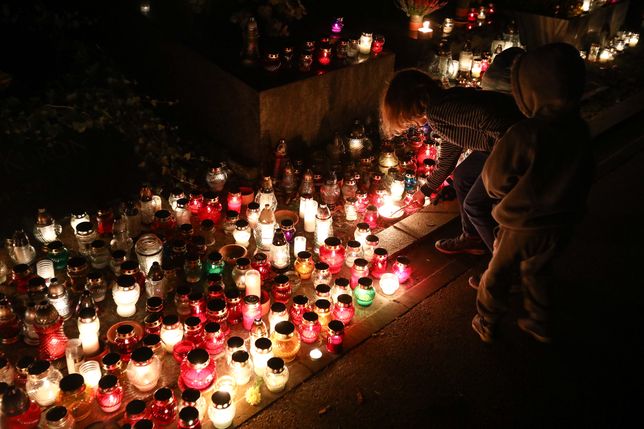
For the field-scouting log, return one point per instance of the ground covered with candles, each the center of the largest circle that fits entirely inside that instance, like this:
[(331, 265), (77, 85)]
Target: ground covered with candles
[(180, 254)]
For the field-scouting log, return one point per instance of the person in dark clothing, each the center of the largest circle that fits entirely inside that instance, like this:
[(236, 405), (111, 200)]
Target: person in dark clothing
[(497, 76), (540, 171), (465, 119)]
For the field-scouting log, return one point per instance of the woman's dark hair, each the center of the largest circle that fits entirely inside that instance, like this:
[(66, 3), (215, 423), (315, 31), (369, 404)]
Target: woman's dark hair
[(405, 99)]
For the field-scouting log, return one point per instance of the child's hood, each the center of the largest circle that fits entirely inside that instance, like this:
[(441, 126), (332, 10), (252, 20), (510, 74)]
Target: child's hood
[(548, 82)]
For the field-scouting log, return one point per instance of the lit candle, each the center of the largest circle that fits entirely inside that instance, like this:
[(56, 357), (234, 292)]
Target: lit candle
[(378, 43), (425, 32), (299, 244), (88, 327), (234, 201), (171, 332), (337, 25), (397, 188), (585, 6), (309, 215), (389, 283), (605, 56), (262, 352), (315, 354), (222, 410), (253, 281), (364, 46), (476, 69), (632, 41), (91, 372)]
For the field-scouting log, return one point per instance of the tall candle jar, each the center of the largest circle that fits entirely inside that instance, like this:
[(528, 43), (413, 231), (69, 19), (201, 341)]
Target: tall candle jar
[(144, 369), (276, 374), (360, 269), (335, 337), (322, 308), (304, 265), (286, 341), (88, 327), (197, 305), (280, 251), (110, 394), (193, 398), (164, 406), (299, 306), (261, 353), (59, 298), (198, 370), (43, 383), (333, 254), (171, 332), (148, 249), (310, 328), (265, 228), (343, 310), (215, 287), (379, 262), (251, 311), (126, 293), (252, 214), (222, 410), (364, 293), (217, 311), (214, 339), (77, 269), (240, 366), (85, 234), (59, 418), (75, 396), (364, 45), (281, 289), (49, 327), (19, 412), (321, 273)]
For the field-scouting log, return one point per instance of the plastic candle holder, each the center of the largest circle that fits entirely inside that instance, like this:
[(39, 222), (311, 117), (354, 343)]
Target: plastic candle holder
[(221, 410), (299, 244), (364, 293), (91, 372), (276, 374)]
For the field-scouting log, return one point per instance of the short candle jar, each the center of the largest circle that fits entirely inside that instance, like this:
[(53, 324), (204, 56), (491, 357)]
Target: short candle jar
[(43, 383), (389, 283), (304, 265), (164, 406), (360, 269), (321, 273), (144, 369), (241, 367), (198, 370), (343, 310), (171, 332), (335, 337), (251, 311), (276, 374), (278, 313), (364, 293), (354, 251), (322, 308), (402, 268), (261, 353), (332, 253), (75, 396), (299, 306), (341, 285), (286, 342), (193, 398), (110, 394), (217, 311), (215, 339), (379, 262), (222, 410), (310, 328), (234, 344)]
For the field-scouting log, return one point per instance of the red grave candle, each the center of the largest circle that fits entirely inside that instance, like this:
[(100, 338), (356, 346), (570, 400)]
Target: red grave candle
[(343, 310), (195, 203), (335, 338), (197, 305), (310, 328), (324, 56), (379, 262), (164, 406), (211, 208), (332, 252), (298, 308), (234, 201), (360, 269), (251, 310), (401, 268), (261, 263), (233, 302), (198, 370), (214, 338), (281, 290), (110, 394), (217, 311), (371, 216)]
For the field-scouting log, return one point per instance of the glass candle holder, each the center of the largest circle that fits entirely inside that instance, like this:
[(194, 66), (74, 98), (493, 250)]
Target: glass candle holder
[(215, 287), (48, 325), (136, 410), (110, 394), (276, 374), (362, 201), (323, 225), (58, 296), (261, 352), (111, 364), (353, 252), (74, 355), (198, 370), (310, 211), (335, 337), (299, 244), (164, 406), (350, 209), (370, 245), (214, 339), (242, 233), (148, 249), (310, 328), (324, 56), (299, 306), (231, 218), (359, 269), (217, 311), (234, 344), (222, 410), (126, 293), (343, 310), (88, 327), (234, 304), (379, 262), (85, 234), (252, 214), (265, 229), (7, 372), (389, 283), (253, 282), (126, 340), (214, 263), (189, 418), (281, 290), (323, 291), (364, 45), (377, 44), (262, 265), (75, 396), (364, 293), (211, 208), (286, 341), (321, 273), (341, 285), (333, 254), (59, 418), (197, 304), (144, 369), (278, 313), (193, 330), (58, 253), (18, 410), (241, 367), (171, 332), (239, 271), (304, 265), (193, 398), (77, 269), (234, 201), (43, 383), (371, 216), (96, 285), (402, 268), (352, 47), (153, 341), (251, 311), (322, 308)]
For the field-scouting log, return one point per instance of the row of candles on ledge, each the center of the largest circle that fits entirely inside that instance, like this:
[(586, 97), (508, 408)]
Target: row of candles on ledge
[(615, 46)]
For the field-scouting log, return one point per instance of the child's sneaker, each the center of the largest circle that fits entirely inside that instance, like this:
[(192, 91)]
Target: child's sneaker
[(461, 244), (536, 329), (483, 328)]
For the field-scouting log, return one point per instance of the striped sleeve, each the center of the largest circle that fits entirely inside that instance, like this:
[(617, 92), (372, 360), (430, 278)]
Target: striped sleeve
[(445, 164)]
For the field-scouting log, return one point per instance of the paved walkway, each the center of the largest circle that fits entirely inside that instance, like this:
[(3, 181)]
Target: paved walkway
[(428, 368)]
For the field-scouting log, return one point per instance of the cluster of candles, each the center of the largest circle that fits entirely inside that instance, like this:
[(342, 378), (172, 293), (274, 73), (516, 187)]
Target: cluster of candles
[(617, 45), (161, 249), (481, 16), (325, 51)]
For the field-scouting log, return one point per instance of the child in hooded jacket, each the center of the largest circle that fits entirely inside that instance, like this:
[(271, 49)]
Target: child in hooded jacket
[(540, 172)]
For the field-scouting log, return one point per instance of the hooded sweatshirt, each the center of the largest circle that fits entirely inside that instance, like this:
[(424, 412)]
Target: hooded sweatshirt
[(541, 169)]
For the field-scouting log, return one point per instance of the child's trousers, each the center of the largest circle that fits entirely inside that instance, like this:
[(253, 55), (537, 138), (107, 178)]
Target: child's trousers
[(531, 252)]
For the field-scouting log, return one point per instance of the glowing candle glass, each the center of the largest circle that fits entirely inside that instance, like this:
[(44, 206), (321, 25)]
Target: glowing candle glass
[(253, 281), (310, 211), (110, 394), (281, 290), (286, 341), (359, 269), (335, 337), (43, 383), (240, 366), (343, 310), (198, 370), (222, 409), (276, 374), (299, 244), (389, 283), (402, 268), (332, 253), (144, 369), (364, 45), (91, 372), (278, 313), (126, 293), (88, 327), (379, 262), (171, 332), (261, 353), (364, 292)]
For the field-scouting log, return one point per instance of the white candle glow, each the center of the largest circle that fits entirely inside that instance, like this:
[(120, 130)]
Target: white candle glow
[(585, 6), (364, 46), (309, 215), (88, 334), (315, 354), (91, 372), (46, 394), (253, 281), (476, 69), (389, 283), (299, 244), (425, 32)]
